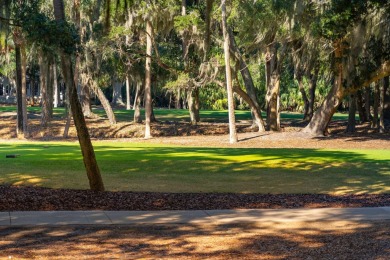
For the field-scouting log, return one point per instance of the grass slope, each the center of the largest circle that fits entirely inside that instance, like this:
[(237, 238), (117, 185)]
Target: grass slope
[(153, 167)]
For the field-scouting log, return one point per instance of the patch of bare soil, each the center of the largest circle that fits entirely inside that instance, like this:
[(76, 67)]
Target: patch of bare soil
[(296, 240)]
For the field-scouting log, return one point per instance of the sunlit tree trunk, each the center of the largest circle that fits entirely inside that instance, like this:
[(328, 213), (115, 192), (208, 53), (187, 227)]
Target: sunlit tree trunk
[(137, 102), (90, 163), (226, 46), (273, 89), (128, 96), (148, 67)]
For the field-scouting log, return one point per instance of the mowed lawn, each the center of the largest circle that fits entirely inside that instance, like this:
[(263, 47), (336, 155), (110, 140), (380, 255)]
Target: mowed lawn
[(163, 114), (157, 168)]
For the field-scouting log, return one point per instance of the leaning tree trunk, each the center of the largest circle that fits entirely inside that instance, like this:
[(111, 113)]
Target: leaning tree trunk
[(92, 84), (321, 118), (226, 46), (249, 85), (148, 92), (90, 163)]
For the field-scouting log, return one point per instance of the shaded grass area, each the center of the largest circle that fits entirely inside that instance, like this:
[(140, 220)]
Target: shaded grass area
[(157, 168), (176, 114)]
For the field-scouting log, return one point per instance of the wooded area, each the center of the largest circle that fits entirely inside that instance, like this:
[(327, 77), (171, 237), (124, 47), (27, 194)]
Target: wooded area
[(313, 57)]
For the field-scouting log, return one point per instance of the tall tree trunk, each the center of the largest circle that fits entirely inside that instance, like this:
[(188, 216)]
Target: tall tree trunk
[(351, 127), (226, 46), (273, 89), (56, 94), (312, 93), (90, 163), (128, 96), (248, 81), (375, 119), (137, 102), (20, 55), (385, 85), (359, 103), (367, 105), (44, 68), (148, 92)]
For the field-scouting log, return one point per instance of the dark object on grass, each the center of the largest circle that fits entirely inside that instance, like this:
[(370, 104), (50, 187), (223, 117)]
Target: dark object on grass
[(12, 155)]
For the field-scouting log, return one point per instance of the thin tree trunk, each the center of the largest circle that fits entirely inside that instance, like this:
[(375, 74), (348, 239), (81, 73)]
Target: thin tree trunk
[(375, 119), (148, 92), (367, 105), (128, 96), (351, 127), (56, 94), (232, 120), (385, 85), (90, 163), (137, 103)]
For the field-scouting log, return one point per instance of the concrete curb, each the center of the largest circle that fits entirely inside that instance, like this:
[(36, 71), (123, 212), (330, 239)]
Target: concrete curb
[(62, 218)]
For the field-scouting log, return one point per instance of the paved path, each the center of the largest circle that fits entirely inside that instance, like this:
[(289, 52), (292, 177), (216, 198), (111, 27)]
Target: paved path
[(60, 218)]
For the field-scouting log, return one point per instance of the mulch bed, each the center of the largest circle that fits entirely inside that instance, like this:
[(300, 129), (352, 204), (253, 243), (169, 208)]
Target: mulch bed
[(27, 198)]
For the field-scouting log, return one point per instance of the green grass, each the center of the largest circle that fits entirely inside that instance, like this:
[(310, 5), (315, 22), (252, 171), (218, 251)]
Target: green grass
[(178, 114), (153, 167)]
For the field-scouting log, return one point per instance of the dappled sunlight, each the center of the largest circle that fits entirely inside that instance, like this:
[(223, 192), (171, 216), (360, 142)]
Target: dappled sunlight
[(21, 179), (266, 240), (162, 168)]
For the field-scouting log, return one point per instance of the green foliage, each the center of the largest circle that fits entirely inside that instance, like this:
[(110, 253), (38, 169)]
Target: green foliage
[(42, 30)]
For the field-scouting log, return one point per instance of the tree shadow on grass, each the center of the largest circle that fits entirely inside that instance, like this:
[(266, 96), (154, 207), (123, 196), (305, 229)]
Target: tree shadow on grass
[(329, 240), (184, 169)]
